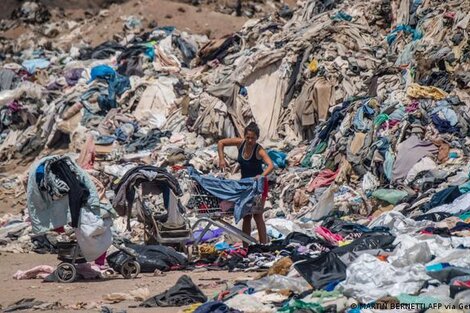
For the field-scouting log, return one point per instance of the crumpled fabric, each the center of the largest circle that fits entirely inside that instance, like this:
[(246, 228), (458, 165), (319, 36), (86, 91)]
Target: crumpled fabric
[(445, 196), (368, 279), (242, 192), (409, 153), (415, 33), (47, 213), (94, 235), (409, 251), (184, 292), (457, 206), (417, 91), (426, 164), (398, 223), (32, 65), (323, 270), (365, 111), (443, 125), (324, 178), (125, 191), (369, 182), (279, 158), (389, 195), (40, 271), (117, 85), (214, 307), (326, 234)]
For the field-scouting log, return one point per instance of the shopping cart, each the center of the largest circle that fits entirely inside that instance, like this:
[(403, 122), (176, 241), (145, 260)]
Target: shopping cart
[(208, 209)]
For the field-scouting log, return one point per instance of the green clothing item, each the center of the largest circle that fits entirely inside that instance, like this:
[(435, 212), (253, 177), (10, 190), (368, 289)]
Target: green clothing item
[(391, 196), (381, 118), (295, 305)]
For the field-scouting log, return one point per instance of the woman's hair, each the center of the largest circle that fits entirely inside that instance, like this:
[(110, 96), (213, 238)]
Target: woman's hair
[(252, 127)]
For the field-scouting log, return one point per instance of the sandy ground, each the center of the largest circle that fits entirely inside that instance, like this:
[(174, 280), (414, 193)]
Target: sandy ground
[(185, 17), (92, 291)]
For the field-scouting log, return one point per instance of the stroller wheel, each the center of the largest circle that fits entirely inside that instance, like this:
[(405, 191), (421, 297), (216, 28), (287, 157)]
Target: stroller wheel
[(130, 269), (184, 248), (66, 272)]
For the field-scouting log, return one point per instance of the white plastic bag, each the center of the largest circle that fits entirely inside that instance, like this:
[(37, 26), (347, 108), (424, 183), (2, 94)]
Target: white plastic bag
[(93, 235)]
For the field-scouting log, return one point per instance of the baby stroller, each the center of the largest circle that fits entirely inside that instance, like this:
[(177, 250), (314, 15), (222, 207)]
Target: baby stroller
[(154, 194), (60, 193), (70, 255)]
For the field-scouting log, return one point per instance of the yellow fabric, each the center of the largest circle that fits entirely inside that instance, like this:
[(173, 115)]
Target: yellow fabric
[(344, 242), (417, 91), (192, 308), (207, 250), (313, 66)]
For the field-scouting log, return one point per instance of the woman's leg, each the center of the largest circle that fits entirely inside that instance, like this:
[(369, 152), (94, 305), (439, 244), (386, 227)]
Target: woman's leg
[(246, 227), (261, 226)]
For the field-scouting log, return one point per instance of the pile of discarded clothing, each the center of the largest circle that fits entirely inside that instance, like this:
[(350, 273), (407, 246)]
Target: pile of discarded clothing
[(364, 107)]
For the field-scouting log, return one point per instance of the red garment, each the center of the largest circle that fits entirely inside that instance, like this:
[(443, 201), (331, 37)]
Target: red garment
[(461, 283), (390, 124), (324, 178), (264, 196), (413, 106), (328, 235), (101, 259)]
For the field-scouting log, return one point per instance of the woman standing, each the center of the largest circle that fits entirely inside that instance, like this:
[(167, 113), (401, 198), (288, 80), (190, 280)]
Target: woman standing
[(251, 157)]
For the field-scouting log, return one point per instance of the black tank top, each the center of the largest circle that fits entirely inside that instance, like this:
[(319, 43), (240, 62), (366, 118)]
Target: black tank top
[(252, 166)]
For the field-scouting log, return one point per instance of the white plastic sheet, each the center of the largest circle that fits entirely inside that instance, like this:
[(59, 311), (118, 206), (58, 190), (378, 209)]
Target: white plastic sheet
[(249, 304), (398, 223), (409, 250), (368, 279)]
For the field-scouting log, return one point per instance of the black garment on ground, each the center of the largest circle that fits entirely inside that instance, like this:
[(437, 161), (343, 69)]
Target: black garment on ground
[(43, 245), (150, 258), (344, 228), (443, 231), (334, 121), (130, 61), (300, 238), (435, 217), (215, 307), (275, 245), (23, 304), (148, 141), (321, 271), (445, 196), (131, 67), (78, 193), (439, 79), (443, 125), (220, 52), (367, 242), (187, 50), (460, 226), (454, 290), (102, 51), (184, 292)]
